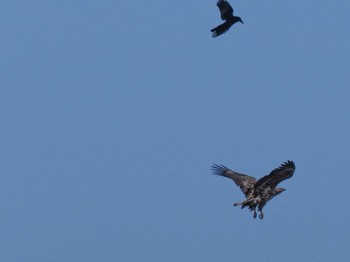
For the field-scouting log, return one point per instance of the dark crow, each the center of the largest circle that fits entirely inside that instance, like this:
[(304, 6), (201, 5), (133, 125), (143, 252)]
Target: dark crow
[(227, 15)]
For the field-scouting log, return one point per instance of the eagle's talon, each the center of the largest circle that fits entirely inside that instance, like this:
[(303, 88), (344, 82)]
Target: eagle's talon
[(261, 216)]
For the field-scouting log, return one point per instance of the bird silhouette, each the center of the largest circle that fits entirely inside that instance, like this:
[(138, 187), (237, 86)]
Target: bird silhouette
[(257, 192), (227, 15)]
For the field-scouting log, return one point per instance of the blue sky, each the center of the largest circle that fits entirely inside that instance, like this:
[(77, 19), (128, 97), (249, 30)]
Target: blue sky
[(112, 113)]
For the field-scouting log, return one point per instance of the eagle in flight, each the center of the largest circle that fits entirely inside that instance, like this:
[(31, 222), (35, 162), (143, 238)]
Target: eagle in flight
[(227, 15), (257, 193)]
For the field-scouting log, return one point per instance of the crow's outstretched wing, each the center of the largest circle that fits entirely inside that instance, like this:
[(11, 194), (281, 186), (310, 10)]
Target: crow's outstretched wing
[(225, 8), (246, 183), (285, 171)]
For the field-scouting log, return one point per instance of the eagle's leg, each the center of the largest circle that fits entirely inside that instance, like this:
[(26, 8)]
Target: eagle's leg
[(254, 213), (260, 208)]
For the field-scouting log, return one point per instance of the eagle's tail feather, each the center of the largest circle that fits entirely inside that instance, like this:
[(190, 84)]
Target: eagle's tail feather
[(245, 203), (239, 203)]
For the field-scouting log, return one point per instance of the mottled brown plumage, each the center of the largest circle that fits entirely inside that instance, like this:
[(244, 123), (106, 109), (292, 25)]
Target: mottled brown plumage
[(257, 193)]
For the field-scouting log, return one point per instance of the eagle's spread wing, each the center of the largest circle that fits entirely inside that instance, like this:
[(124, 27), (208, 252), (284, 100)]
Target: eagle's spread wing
[(225, 9), (246, 183), (285, 171)]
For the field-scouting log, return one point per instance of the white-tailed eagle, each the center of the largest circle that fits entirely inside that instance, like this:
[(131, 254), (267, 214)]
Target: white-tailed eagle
[(257, 192)]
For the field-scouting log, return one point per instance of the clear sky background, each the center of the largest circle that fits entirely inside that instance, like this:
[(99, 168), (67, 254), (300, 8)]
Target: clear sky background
[(112, 113)]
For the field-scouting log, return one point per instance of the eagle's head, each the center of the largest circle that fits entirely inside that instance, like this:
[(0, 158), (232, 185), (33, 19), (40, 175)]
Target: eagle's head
[(279, 190)]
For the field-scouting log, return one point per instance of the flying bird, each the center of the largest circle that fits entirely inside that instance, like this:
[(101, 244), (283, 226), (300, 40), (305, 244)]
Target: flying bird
[(227, 15), (257, 192)]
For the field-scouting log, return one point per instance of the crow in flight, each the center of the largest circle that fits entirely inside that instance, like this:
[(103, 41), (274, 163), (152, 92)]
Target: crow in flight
[(227, 15), (257, 192)]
